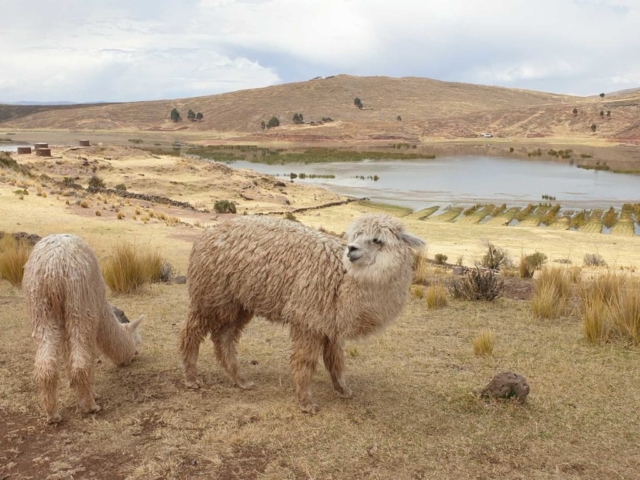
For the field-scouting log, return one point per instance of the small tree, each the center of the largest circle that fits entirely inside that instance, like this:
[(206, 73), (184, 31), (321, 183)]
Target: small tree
[(602, 113), (297, 119), (175, 115), (273, 122), (96, 182), (602, 95), (593, 127), (399, 118), (191, 115), (608, 113), (575, 111), (199, 116), (263, 125), (358, 103)]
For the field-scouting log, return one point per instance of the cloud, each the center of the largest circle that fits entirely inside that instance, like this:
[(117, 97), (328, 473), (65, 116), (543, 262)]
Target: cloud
[(122, 50)]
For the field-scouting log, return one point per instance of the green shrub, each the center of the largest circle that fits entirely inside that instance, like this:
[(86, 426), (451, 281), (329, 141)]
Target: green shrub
[(121, 187), (440, 258), (224, 206), (94, 182)]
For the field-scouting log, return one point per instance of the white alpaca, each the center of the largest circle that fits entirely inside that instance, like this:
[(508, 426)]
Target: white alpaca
[(71, 319), (325, 290)]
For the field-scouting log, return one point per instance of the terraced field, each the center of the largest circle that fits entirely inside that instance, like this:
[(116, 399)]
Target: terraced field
[(594, 223), (477, 216), (423, 214), (504, 218), (449, 216)]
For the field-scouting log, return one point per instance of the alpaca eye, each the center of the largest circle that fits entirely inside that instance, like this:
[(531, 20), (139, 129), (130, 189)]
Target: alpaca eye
[(377, 241)]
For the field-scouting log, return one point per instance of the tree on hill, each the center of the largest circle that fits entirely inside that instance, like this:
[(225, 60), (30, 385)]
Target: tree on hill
[(602, 95), (175, 115), (602, 113), (273, 122), (608, 113), (593, 127), (199, 116), (399, 118), (263, 125), (358, 103), (575, 111), (297, 119), (191, 115)]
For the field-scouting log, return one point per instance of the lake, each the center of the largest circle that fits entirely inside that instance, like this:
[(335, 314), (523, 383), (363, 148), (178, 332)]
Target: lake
[(466, 180)]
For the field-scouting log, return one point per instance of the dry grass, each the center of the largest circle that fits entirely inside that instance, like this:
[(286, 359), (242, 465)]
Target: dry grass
[(130, 267), (417, 291), (483, 344), (120, 215), (421, 268), (551, 293), (435, 296), (13, 256)]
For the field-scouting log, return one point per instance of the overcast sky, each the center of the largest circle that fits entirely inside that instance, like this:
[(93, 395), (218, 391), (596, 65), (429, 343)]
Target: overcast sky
[(125, 50)]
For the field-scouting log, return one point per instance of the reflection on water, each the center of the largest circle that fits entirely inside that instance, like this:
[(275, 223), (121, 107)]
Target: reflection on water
[(466, 180), (12, 147)]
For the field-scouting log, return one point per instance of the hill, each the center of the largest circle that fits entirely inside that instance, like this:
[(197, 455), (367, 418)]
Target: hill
[(426, 107)]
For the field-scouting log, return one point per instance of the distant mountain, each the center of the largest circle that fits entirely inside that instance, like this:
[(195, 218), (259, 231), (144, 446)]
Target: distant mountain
[(391, 108), (33, 102)]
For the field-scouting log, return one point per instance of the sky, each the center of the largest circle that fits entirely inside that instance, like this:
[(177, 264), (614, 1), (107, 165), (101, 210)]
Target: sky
[(131, 50)]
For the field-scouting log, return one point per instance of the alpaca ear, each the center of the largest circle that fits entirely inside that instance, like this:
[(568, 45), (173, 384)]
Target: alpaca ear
[(413, 242), (133, 326)]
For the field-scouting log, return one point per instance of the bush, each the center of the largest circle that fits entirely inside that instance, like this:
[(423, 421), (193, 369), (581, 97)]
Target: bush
[(129, 268), (224, 206), (495, 257), (477, 285), (421, 268), (358, 103), (175, 115), (594, 260), (399, 118), (551, 293), (291, 217), (594, 127), (530, 263), (298, 119), (483, 344), (121, 187), (273, 122), (435, 296), (440, 258), (13, 255), (94, 182), (575, 111)]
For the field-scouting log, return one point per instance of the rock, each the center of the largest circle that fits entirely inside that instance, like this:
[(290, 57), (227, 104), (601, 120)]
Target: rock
[(181, 280), (458, 270), (122, 318), (506, 385)]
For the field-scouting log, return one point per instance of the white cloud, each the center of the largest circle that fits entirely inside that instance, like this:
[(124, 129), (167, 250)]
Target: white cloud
[(123, 50)]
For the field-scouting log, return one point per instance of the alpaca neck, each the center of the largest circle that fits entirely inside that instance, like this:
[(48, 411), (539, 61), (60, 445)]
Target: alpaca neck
[(114, 341), (370, 303)]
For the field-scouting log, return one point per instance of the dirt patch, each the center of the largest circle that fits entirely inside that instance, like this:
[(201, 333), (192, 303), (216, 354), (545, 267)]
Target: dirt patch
[(246, 462), (517, 288)]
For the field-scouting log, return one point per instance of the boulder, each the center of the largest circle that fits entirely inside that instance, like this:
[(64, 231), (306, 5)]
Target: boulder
[(506, 385)]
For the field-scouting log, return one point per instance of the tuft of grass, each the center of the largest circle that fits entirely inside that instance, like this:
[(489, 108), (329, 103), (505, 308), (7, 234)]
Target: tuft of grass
[(417, 291), (551, 293), (594, 323), (98, 213), (13, 256), (435, 296), (625, 315), (421, 268), (129, 268), (84, 204), (121, 215), (530, 263), (483, 344)]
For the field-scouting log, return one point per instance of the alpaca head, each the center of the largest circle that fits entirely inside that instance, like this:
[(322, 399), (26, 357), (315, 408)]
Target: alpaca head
[(378, 244), (132, 330)]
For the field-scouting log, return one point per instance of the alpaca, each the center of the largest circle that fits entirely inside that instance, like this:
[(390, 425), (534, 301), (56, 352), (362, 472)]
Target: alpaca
[(71, 319), (324, 290)]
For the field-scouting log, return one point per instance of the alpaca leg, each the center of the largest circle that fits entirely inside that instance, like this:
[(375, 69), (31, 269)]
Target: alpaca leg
[(306, 350), (192, 333), (81, 366), (225, 338), (48, 351), (333, 356)]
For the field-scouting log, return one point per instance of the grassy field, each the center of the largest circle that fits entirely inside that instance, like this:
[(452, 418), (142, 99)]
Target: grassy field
[(413, 415)]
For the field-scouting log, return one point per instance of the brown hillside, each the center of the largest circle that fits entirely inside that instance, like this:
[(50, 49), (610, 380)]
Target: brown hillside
[(427, 107)]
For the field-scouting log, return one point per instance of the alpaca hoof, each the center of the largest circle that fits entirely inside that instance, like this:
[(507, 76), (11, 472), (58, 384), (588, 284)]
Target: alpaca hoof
[(310, 408), (345, 393), (195, 384), (244, 385), (53, 419)]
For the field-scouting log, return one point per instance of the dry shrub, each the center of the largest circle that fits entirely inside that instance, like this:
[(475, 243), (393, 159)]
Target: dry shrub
[(594, 260), (435, 296), (129, 268), (530, 263), (121, 215), (483, 344), (594, 324), (575, 274), (495, 257), (551, 293), (624, 315), (477, 285), (13, 255), (84, 204), (171, 221), (440, 258), (98, 213)]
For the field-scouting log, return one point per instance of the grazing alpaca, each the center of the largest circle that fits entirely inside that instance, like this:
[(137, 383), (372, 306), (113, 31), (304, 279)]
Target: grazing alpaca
[(70, 318), (324, 290)]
